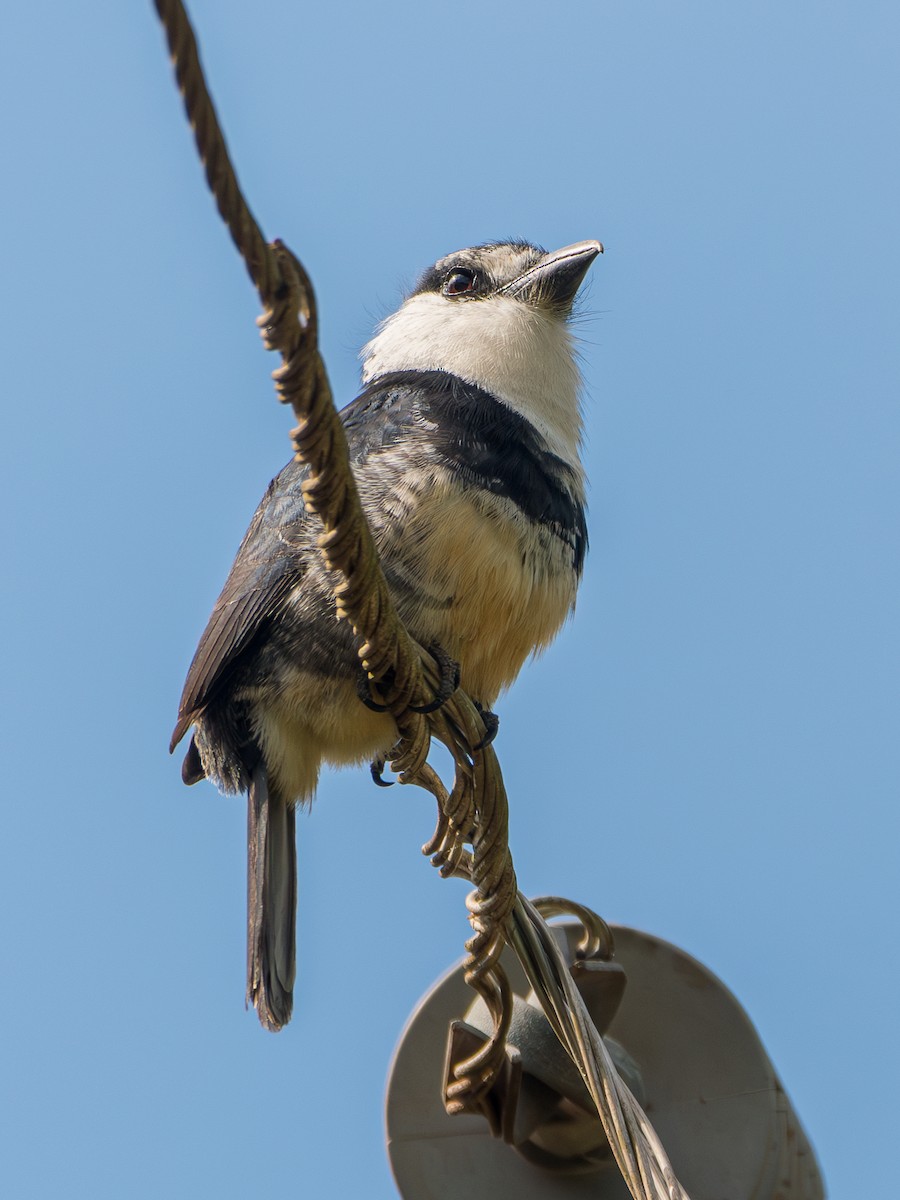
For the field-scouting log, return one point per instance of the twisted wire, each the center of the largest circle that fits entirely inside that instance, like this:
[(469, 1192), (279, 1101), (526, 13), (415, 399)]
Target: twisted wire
[(639, 1154), (220, 173), (404, 677), (402, 674)]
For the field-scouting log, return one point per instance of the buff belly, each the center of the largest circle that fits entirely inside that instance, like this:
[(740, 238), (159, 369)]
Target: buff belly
[(502, 585), (479, 579)]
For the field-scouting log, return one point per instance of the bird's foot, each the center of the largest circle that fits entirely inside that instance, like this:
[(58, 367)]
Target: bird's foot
[(364, 692), (491, 725), (449, 682), (449, 669), (376, 767)]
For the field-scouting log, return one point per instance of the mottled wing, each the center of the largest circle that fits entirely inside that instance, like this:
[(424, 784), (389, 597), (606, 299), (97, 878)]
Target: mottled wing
[(269, 565), (273, 557)]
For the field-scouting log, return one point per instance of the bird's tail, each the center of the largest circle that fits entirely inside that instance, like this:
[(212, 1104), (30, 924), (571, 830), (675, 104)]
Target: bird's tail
[(271, 902)]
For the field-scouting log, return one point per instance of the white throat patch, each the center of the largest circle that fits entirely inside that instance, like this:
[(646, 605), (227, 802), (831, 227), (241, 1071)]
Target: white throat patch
[(524, 357)]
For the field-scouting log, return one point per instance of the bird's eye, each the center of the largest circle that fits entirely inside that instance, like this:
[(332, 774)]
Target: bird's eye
[(458, 282)]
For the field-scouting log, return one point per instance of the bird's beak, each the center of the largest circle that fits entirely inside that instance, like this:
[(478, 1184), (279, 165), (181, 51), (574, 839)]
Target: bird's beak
[(554, 280)]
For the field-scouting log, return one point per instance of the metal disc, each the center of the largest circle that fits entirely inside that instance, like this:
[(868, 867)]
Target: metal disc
[(712, 1095)]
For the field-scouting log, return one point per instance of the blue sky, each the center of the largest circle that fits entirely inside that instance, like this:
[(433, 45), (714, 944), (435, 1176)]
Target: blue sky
[(710, 750)]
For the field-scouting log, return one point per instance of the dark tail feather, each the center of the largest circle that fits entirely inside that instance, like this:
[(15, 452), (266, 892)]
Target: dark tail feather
[(271, 903), (192, 768)]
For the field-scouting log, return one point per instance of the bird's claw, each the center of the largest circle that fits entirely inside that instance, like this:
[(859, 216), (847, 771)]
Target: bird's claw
[(491, 725), (449, 669), (376, 767), (365, 695)]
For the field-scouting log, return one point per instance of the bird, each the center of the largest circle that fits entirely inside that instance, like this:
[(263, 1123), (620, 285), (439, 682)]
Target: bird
[(465, 443)]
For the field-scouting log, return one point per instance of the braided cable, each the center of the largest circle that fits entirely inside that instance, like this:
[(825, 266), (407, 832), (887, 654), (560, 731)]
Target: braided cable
[(405, 677)]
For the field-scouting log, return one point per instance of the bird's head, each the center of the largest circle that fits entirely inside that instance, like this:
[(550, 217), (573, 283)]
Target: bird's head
[(497, 316)]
